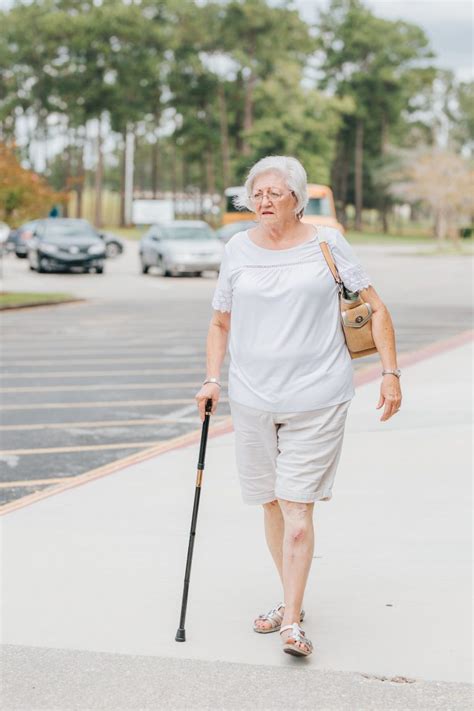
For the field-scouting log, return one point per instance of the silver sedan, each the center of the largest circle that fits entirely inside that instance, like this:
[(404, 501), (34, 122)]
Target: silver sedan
[(181, 247)]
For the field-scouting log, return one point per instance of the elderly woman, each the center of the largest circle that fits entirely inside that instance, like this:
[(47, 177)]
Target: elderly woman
[(290, 374)]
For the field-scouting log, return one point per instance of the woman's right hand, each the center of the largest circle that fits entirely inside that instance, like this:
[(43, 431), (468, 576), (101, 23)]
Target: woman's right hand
[(208, 391)]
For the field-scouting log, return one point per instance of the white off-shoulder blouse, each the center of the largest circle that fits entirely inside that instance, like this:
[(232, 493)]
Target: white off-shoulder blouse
[(287, 349)]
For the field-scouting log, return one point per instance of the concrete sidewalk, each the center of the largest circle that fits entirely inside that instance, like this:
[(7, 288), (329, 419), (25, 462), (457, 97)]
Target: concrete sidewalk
[(93, 576)]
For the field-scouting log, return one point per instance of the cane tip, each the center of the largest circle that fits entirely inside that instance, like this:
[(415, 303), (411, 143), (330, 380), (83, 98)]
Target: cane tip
[(180, 635)]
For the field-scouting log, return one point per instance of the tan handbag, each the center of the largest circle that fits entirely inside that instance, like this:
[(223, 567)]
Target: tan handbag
[(356, 314)]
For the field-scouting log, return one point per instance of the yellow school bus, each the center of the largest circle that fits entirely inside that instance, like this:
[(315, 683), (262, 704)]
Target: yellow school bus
[(320, 209)]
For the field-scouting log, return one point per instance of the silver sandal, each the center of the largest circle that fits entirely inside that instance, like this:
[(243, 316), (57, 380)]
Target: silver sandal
[(275, 617), (297, 635)]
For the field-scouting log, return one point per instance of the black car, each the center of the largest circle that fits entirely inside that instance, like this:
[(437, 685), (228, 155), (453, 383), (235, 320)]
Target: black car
[(18, 239), (62, 244)]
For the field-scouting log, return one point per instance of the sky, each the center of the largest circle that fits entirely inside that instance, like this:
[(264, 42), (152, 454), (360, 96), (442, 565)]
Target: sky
[(448, 25)]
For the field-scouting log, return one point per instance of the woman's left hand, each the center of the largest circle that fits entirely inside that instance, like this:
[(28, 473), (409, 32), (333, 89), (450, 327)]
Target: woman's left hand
[(390, 396)]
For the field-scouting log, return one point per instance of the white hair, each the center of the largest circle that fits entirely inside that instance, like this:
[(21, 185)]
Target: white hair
[(291, 170)]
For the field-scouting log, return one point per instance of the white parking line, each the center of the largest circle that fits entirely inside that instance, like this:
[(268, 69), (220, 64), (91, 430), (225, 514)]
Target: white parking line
[(98, 373), (33, 482), (102, 386), (112, 403), (50, 347), (81, 361), (184, 411), (91, 424), (78, 448)]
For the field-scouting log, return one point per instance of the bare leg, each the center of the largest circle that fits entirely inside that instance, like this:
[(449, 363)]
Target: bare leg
[(274, 528), (298, 548)]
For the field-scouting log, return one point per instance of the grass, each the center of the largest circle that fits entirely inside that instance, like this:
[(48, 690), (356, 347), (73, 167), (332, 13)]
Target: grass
[(365, 237), (448, 248), (461, 246), (415, 236), (16, 299), (135, 233)]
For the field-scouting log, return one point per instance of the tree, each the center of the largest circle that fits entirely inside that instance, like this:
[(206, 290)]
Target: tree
[(209, 87), (194, 91), (258, 38), (100, 66), (443, 182), (236, 83), (464, 119), (381, 65), (291, 119), (8, 85), (23, 193)]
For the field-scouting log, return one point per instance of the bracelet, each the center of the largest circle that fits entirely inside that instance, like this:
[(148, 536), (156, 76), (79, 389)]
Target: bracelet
[(397, 372), (214, 381)]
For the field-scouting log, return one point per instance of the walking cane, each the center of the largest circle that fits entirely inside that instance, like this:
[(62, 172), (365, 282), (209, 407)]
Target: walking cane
[(181, 633)]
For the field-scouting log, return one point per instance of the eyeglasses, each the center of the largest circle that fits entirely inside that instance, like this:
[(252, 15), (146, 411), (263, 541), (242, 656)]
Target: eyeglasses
[(272, 195)]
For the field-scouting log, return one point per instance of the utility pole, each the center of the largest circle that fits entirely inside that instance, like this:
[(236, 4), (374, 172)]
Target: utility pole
[(129, 166), (99, 170)]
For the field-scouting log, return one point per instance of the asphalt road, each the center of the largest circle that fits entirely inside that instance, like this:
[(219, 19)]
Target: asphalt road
[(88, 383)]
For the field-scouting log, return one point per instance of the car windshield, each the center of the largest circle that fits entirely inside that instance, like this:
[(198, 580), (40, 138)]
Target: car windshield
[(69, 230), (185, 232), (318, 206)]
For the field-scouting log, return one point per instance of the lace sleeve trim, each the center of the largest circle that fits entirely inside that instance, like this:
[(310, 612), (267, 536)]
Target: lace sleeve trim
[(355, 278), (222, 301)]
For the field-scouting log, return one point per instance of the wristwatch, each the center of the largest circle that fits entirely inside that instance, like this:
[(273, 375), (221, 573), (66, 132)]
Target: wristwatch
[(396, 372)]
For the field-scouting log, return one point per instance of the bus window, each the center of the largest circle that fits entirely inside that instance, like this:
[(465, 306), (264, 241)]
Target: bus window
[(318, 206)]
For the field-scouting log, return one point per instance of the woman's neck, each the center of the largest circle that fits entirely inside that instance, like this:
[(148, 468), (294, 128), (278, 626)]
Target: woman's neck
[(281, 233)]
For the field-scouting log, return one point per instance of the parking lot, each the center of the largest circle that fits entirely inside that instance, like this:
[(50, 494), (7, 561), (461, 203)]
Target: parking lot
[(92, 382)]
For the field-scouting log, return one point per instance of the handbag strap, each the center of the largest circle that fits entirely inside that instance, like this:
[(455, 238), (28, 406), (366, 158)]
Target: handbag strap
[(329, 260)]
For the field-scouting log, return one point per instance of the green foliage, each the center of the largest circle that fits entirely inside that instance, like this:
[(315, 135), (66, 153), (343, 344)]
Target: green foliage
[(384, 67), (463, 119), (294, 120), (210, 87), (380, 63), (19, 299)]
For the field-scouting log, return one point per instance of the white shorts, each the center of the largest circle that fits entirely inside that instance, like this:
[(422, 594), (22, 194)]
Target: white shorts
[(292, 456)]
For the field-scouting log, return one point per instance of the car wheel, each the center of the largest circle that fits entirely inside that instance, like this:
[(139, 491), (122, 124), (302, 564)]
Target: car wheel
[(21, 256), (160, 264), (112, 250), (145, 268)]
